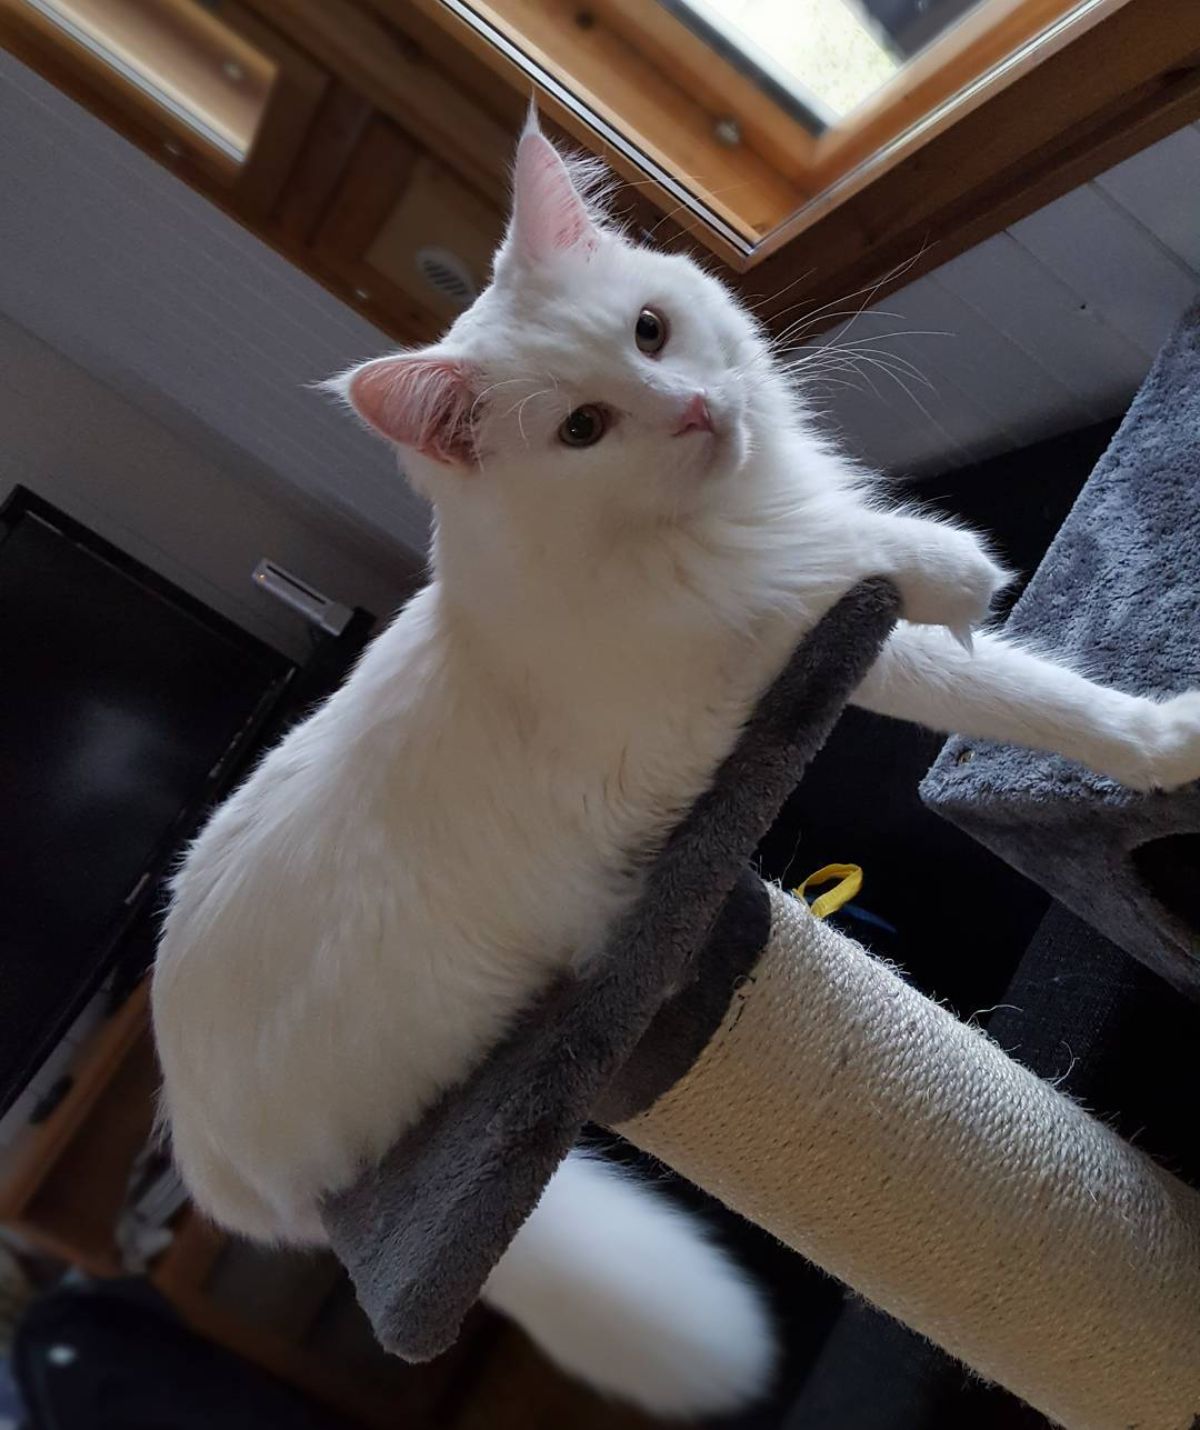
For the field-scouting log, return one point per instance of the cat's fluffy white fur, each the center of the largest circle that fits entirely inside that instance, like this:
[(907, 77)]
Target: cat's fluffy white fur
[(363, 917), (621, 1288)]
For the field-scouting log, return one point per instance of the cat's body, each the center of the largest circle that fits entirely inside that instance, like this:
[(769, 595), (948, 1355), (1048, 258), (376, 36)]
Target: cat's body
[(464, 818)]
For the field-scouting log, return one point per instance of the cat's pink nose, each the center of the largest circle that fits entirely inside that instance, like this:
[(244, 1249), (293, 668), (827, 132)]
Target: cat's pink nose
[(695, 417)]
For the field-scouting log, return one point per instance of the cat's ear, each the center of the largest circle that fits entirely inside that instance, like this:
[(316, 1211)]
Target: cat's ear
[(419, 400), (549, 214)]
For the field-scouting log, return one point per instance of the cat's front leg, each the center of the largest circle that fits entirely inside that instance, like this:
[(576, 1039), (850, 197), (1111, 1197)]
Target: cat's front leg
[(1172, 754), (946, 576), (1001, 692)]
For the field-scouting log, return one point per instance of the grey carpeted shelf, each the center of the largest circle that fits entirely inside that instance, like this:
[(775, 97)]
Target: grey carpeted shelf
[(1119, 594)]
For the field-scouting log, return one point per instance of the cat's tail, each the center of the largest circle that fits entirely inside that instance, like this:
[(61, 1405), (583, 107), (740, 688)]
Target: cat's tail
[(625, 1290)]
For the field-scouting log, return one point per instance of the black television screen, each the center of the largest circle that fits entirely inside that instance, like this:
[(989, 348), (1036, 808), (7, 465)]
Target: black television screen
[(121, 699)]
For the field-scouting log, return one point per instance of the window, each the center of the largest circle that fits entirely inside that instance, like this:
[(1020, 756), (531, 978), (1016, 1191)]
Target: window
[(179, 56), (203, 85), (760, 116), (819, 59)]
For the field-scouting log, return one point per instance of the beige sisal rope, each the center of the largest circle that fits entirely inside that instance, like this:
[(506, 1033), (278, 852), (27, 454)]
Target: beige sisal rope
[(905, 1153)]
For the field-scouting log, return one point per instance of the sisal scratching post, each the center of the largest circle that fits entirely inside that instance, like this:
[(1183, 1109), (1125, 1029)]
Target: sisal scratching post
[(772, 1061), (909, 1156)]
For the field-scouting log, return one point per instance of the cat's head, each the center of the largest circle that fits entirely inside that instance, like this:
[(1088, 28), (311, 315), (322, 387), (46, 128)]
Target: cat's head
[(590, 370)]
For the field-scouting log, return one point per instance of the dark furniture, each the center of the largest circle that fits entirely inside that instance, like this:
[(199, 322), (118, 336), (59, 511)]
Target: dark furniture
[(129, 709)]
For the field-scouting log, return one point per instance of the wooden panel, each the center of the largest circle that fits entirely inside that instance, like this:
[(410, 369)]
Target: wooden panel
[(379, 172), (428, 39), (1160, 189), (619, 85), (336, 130), (280, 1289), (394, 75), (436, 210), (520, 1390), (40, 1154), (253, 183), (75, 1208), (186, 53), (685, 60), (297, 91), (185, 1264), (365, 1403), (37, 43), (69, 1183), (1114, 265), (425, 1395), (1019, 297)]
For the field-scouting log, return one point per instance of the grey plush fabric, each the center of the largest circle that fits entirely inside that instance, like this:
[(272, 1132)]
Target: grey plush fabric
[(420, 1233), (1119, 591)]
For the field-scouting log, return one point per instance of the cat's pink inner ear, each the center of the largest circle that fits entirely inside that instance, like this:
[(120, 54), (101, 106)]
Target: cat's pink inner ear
[(549, 216), (418, 401)]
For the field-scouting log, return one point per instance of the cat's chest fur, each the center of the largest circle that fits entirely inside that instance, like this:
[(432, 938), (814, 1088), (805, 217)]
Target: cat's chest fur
[(413, 863), (545, 782)]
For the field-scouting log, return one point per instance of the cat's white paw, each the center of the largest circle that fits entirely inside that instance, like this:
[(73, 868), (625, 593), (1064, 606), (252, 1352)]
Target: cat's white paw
[(1172, 754), (954, 584)]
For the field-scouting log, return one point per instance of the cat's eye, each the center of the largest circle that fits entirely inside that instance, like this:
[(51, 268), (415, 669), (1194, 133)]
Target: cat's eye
[(584, 427), (650, 331)]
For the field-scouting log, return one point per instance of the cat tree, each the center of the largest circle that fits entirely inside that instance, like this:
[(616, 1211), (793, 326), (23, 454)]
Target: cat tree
[(771, 1060)]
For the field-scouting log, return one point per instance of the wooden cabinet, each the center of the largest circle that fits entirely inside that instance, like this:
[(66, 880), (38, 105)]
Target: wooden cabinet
[(63, 1189), (291, 1313)]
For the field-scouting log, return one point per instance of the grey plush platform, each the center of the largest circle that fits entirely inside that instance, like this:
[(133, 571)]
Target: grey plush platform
[(1119, 591), (420, 1233)]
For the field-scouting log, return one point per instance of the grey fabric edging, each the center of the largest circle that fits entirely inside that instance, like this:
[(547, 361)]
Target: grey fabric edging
[(421, 1232), (1118, 594)]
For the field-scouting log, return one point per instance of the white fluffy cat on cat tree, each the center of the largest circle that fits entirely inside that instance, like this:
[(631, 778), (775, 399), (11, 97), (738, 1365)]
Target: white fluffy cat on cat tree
[(636, 521)]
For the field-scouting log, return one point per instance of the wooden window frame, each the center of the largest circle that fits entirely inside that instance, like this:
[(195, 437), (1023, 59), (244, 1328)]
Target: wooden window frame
[(1101, 96), (1095, 92), (249, 186)]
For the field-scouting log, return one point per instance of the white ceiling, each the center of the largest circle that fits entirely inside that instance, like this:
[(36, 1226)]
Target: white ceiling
[(1048, 326), (126, 271)]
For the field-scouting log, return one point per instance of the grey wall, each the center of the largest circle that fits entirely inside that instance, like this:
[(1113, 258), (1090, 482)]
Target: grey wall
[(1048, 326), (156, 363), (200, 522)]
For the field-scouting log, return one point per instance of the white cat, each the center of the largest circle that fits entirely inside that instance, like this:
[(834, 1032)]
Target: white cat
[(635, 524)]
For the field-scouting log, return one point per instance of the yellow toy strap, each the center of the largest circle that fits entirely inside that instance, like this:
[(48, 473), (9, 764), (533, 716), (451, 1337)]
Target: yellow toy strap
[(849, 877)]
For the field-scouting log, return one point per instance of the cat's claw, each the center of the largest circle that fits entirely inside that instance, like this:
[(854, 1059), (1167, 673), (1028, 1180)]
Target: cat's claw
[(951, 581)]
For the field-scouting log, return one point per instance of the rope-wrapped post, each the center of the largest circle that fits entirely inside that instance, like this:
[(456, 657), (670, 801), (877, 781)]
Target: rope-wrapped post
[(825, 1099), (905, 1153)]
